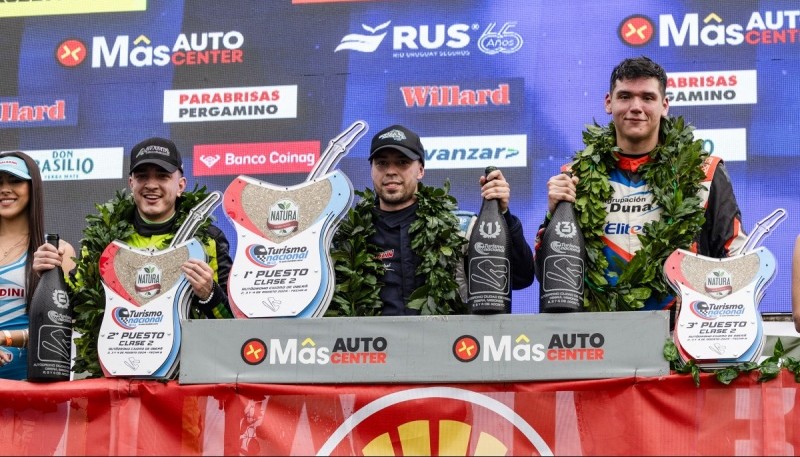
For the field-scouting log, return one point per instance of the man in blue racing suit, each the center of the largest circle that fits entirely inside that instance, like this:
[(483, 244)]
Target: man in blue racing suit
[(638, 105)]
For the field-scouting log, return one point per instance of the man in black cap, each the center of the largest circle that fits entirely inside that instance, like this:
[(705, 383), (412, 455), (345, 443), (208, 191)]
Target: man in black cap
[(398, 163), (397, 160), (158, 205), (156, 182)]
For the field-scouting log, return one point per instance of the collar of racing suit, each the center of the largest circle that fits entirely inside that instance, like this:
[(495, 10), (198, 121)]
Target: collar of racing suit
[(145, 228), (631, 162)]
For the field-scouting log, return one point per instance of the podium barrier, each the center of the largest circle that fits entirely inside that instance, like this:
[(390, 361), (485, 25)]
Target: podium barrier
[(411, 349)]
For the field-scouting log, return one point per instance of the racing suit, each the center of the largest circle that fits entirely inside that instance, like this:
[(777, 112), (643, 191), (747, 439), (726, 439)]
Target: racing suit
[(158, 236), (631, 206), (400, 278)]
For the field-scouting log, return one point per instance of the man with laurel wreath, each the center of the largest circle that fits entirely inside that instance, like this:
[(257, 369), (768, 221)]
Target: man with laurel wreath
[(401, 249), (642, 188), (147, 218), (156, 183)]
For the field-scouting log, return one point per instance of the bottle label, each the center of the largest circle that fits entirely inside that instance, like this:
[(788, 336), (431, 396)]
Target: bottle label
[(50, 345), (60, 299), (566, 229), (489, 267), (560, 247), (53, 350), (562, 264), (489, 284), (488, 275), (563, 273), (52, 357), (489, 248), (489, 229), (59, 318)]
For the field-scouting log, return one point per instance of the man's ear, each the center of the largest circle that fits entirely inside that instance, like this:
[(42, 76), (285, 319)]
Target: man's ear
[(181, 185)]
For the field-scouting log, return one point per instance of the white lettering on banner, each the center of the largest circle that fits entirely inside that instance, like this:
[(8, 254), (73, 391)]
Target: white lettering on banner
[(278, 157), (703, 88), (728, 144), (454, 36), (503, 151), (255, 158), (191, 49), (230, 103), (289, 354), (454, 96), (436, 40), (233, 159), (345, 351), (79, 164), (763, 28), (275, 157), (503, 351)]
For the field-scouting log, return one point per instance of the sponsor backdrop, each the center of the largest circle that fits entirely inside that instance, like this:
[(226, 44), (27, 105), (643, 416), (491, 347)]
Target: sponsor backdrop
[(259, 88)]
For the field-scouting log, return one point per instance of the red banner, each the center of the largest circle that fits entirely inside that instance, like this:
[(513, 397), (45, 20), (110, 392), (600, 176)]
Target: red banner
[(642, 416)]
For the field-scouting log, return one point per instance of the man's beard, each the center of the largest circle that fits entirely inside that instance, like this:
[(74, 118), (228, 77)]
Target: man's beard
[(395, 198)]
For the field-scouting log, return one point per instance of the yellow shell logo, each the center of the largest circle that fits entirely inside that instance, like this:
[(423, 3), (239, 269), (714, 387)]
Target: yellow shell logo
[(490, 427), (415, 439)]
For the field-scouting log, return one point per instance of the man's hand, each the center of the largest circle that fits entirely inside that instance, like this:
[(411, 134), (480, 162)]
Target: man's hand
[(200, 276), (560, 187), (495, 186)]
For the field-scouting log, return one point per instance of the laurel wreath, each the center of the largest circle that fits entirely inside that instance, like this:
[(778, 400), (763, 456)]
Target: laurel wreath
[(435, 238), (674, 175), (113, 221)]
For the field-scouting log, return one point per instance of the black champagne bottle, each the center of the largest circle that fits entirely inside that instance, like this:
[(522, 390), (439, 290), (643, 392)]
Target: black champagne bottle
[(562, 260), (489, 267), (50, 344)]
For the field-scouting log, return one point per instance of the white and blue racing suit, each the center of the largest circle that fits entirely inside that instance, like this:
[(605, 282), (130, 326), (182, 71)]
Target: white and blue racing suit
[(631, 206)]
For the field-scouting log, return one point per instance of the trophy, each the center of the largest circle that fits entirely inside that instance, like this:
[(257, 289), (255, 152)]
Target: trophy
[(718, 324), (282, 266), (147, 296)]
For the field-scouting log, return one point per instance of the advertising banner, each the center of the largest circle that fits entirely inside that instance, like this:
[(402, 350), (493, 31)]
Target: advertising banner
[(425, 348), (633, 416)]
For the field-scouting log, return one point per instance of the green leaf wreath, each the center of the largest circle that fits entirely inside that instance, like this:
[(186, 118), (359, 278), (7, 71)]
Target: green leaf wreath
[(674, 174), (113, 221), (768, 369), (435, 237)]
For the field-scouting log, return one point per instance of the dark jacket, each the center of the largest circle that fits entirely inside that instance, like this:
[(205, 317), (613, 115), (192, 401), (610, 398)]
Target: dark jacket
[(400, 278)]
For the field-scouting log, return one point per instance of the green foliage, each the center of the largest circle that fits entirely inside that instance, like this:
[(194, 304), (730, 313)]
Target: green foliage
[(435, 238), (768, 369), (674, 174), (113, 221), (356, 264)]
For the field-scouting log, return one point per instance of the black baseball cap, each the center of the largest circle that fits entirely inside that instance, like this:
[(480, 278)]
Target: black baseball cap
[(399, 138), (158, 151)]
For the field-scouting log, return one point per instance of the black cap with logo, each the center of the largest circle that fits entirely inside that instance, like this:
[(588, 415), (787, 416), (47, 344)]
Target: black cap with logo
[(158, 151), (399, 138)]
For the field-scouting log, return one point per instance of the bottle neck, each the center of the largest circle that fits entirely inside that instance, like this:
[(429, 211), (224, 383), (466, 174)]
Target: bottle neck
[(490, 205)]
